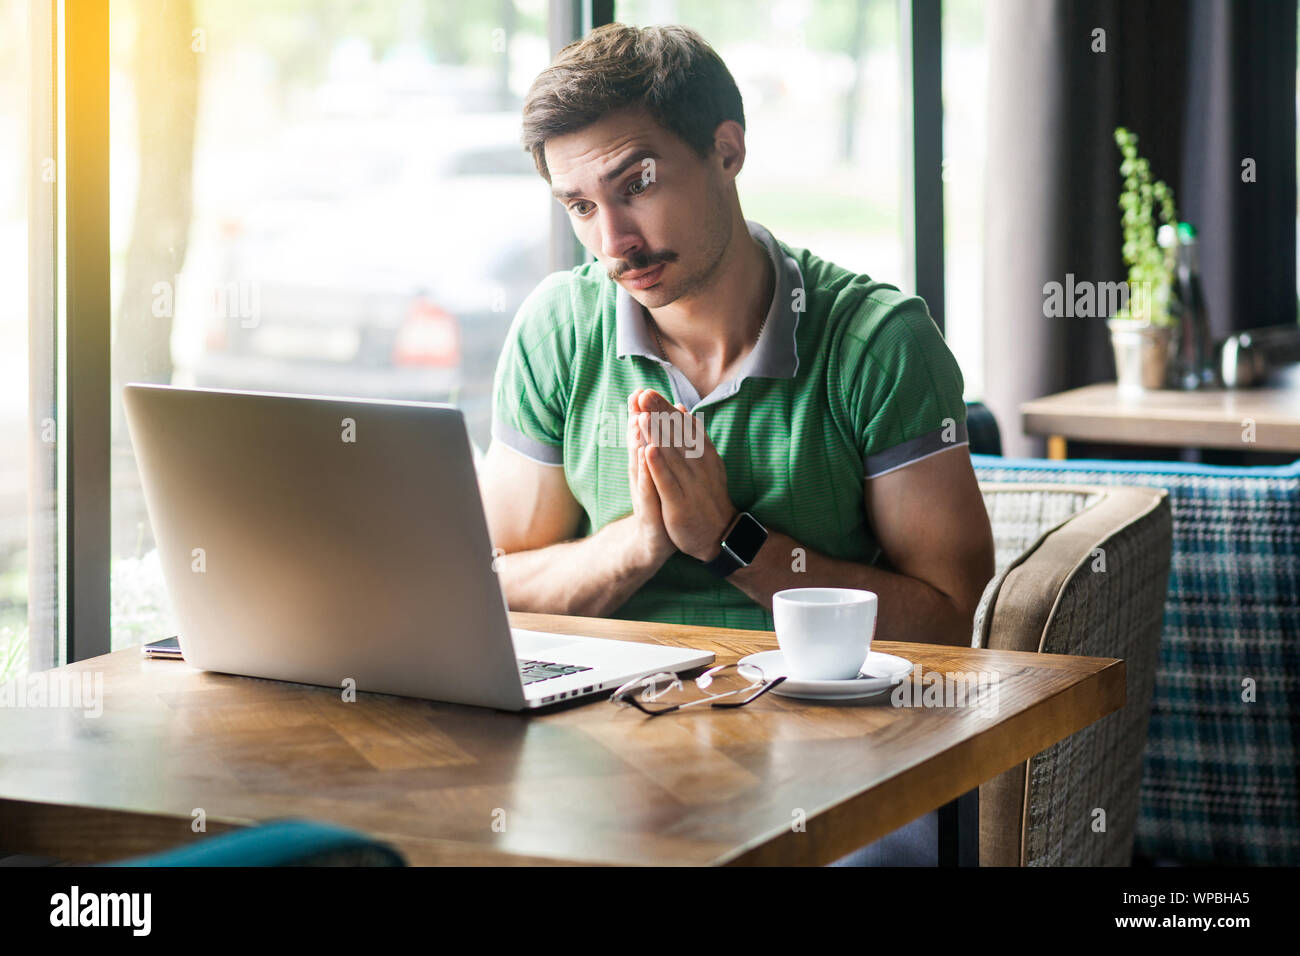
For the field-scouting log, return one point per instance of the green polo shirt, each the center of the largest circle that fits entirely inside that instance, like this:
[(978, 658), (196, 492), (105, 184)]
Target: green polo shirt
[(850, 379)]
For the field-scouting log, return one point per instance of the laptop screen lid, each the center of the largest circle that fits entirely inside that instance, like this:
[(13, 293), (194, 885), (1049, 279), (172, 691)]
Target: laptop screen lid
[(318, 539)]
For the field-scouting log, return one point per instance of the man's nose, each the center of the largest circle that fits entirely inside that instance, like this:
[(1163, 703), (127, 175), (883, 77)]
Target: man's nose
[(618, 237)]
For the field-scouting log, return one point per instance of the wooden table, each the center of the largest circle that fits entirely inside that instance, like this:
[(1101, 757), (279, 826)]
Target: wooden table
[(588, 783), (1213, 418)]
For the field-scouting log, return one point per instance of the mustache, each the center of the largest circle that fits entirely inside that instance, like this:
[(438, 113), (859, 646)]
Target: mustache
[(645, 260)]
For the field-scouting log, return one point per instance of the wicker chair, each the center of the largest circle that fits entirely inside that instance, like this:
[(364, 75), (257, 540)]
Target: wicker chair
[(1081, 569), (1220, 783)]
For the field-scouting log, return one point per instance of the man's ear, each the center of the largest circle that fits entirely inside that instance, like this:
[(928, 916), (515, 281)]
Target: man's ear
[(729, 147)]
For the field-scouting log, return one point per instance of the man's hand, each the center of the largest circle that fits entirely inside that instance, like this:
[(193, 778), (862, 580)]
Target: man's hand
[(533, 517), (647, 514), (688, 474)]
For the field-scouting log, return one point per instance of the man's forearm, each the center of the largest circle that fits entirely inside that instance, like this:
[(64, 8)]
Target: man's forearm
[(908, 609), (590, 577)]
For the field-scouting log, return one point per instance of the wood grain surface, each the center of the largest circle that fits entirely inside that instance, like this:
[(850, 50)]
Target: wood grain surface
[(781, 781)]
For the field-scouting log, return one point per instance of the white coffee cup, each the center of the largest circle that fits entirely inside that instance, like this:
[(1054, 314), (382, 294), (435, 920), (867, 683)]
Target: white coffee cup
[(824, 633)]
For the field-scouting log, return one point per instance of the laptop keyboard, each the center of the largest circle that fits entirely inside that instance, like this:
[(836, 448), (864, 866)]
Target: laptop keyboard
[(534, 671)]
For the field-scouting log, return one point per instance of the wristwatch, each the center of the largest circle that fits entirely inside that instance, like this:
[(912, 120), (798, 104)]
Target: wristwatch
[(740, 545)]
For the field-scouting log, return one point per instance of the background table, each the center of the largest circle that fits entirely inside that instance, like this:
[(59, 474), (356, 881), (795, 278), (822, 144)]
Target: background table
[(587, 783), (1210, 418)]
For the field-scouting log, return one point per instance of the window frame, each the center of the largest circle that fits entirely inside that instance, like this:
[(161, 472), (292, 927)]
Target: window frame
[(921, 22), (86, 324)]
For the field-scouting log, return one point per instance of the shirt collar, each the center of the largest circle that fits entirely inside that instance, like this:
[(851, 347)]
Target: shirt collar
[(776, 353)]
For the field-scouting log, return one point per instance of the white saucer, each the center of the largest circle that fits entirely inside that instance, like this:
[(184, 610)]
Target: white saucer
[(886, 671)]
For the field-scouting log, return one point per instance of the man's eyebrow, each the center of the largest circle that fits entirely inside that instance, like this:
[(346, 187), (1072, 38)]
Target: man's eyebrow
[(634, 160)]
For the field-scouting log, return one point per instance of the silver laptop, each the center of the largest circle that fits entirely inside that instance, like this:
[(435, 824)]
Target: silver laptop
[(319, 540)]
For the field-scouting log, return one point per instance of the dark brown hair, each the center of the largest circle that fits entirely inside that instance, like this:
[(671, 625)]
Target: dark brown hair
[(667, 70)]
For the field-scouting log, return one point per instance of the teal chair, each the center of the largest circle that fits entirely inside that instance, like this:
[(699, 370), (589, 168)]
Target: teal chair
[(279, 843)]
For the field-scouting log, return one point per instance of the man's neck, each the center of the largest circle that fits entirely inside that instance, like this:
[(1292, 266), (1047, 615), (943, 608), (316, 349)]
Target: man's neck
[(718, 324)]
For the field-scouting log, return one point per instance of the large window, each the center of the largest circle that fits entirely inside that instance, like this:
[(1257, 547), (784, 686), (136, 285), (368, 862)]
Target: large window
[(822, 86), (14, 430), (965, 71), (329, 196), (29, 430), (316, 197)]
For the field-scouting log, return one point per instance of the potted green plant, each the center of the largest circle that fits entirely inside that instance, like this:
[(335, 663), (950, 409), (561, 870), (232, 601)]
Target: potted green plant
[(1141, 332)]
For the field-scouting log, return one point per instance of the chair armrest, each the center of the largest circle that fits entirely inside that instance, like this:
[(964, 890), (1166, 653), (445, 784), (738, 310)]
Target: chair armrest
[(1031, 588)]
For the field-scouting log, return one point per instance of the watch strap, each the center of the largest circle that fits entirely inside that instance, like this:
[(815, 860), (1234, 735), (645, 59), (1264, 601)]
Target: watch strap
[(724, 563), (727, 560)]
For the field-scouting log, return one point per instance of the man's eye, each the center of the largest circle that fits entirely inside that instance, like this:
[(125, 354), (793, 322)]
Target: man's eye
[(580, 208), (637, 186)]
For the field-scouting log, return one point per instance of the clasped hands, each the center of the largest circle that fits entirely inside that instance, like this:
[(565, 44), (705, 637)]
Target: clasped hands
[(678, 481)]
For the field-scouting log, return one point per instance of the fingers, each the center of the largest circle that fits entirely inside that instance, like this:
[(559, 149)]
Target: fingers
[(633, 443), (692, 432), (651, 401), (644, 495), (666, 481), (664, 434), (647, 494), (683, 439), (671, 428), (643, 475)]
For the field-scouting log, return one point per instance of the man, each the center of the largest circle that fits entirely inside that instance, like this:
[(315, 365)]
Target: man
[(704, 384)]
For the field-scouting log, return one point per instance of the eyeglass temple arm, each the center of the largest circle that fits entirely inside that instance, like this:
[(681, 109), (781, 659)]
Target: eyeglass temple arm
[(761, 691)]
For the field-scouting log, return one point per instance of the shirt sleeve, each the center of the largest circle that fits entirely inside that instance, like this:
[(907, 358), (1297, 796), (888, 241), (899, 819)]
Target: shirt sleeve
[(530, 388), (903, 387)]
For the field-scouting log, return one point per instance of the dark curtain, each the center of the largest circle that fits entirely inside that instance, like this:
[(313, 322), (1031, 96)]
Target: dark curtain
[(1243, 105), (1204, 84)]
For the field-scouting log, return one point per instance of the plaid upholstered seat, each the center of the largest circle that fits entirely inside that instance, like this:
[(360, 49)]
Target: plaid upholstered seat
[(1219, 775), (1081, 569)]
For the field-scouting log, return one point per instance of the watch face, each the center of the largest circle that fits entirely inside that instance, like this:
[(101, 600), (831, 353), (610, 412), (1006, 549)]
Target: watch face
[(746, 537)]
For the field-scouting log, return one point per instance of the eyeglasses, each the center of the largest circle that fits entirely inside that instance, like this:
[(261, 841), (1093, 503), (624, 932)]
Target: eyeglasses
[(727, 685)]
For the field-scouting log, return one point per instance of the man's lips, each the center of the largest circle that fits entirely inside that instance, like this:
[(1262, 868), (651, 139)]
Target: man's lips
[(643, 278)]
